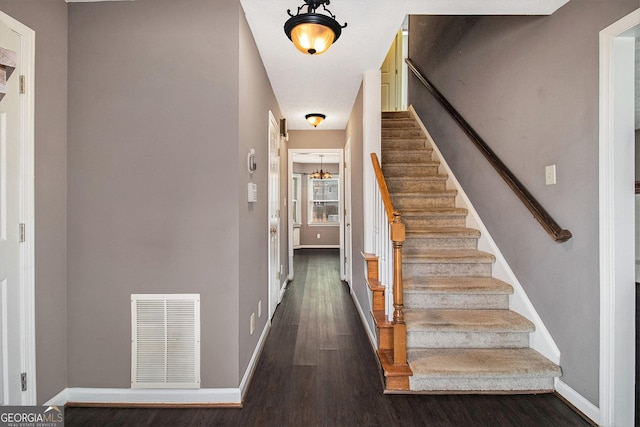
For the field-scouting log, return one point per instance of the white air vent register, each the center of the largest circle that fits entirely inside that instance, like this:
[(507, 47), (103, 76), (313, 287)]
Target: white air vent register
[(165, 341)]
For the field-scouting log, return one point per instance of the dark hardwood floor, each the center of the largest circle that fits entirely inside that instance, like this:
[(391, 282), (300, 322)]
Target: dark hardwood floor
[(318, 369)]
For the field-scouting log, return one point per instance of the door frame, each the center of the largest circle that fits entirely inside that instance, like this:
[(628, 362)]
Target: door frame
[(27, 206), (290, 153), (273, 126), (347, 217), (616, 223)]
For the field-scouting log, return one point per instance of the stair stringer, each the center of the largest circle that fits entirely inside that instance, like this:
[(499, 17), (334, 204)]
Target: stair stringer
[(539, 340)]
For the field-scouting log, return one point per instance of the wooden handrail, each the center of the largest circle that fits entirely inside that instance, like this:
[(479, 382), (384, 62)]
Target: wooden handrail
[(384, 190), (397, 235), (556, 232)]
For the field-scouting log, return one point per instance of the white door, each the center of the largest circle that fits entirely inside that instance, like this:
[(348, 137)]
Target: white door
[(10, 257), (390, 78), (274, 214)]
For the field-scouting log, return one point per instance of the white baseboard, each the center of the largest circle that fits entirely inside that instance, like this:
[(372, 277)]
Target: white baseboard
[(318, 247), (577, 400), (203, 396), (363, 317), (120, 396), (248, 373)]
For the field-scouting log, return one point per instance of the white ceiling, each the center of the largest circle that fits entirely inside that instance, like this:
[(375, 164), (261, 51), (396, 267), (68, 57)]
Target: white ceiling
[(329, 83)]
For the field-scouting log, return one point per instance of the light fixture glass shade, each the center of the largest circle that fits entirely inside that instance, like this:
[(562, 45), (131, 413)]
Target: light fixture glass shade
[(315, 119), (313, 33), (311, 38)]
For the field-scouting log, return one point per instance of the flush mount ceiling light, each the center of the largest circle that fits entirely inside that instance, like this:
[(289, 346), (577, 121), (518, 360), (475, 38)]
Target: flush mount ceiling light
[(315, 119), (312, 32)]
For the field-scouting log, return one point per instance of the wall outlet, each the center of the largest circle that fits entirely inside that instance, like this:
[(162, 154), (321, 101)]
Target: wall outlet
[(318, 236), (252, 323), (550, 174), (259, 309)]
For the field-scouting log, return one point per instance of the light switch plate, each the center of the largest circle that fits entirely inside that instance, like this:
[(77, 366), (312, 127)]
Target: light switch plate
[(550, 174)]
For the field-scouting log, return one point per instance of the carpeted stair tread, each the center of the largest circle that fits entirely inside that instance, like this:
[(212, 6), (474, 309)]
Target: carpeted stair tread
[(399, 123), (480, 363), (436, 177), (442, 232), (434, 211), (419, 164), (457, 285), (447, 256), (466, 321)]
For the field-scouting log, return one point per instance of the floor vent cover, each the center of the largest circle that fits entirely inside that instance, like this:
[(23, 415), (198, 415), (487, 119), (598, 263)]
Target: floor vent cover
[(165, 341)]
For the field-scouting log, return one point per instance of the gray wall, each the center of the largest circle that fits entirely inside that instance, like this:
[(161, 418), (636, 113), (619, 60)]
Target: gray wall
[(637, 154), (354, 133), (153, 198), (529, 86), (256, 99), (49, 20)]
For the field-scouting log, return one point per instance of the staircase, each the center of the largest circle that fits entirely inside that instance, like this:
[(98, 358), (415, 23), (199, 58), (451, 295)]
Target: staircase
[(461, 335)]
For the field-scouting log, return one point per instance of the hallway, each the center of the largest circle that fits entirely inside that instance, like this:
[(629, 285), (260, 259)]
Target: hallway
[(318, 369)]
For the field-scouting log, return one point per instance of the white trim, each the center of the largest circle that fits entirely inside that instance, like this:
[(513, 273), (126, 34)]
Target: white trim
[(372, 337), (203, 396), (318, 247), (371, 143), (616, 237), (248, 373), (283, 289), (27, 209), (540, 340), (576, 399)]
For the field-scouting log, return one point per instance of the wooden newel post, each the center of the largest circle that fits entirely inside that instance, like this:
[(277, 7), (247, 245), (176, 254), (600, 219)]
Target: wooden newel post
[(399, 327)]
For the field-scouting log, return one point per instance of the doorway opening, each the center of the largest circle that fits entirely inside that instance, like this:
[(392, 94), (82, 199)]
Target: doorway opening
[(317, 209)]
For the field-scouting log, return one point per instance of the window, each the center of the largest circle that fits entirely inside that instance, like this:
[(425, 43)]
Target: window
[(296, 198), (324, 201)]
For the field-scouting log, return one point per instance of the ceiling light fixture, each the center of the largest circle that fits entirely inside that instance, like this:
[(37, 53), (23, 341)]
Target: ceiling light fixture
[(315, 119), (312, 32), (320, 174)]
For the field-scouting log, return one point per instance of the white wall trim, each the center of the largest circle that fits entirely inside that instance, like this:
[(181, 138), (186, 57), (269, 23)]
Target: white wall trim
[(203, 396), (371, 143), (576, 399), (318, 247), (540, 340), (248, 373), (372, 337), (616, 222)]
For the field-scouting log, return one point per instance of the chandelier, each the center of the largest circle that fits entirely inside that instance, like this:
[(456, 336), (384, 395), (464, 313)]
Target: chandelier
[(320, 174)]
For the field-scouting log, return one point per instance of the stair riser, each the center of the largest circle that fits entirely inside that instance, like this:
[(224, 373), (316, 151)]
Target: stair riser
[(402, 133), (415, 186), (432, 339), (400, 156), (481, 384), (396, 115), (412, 202), (425, 300), (398, 123), (403, 144), (443, 221), (419, 270), (441, 243), (410, 171)]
